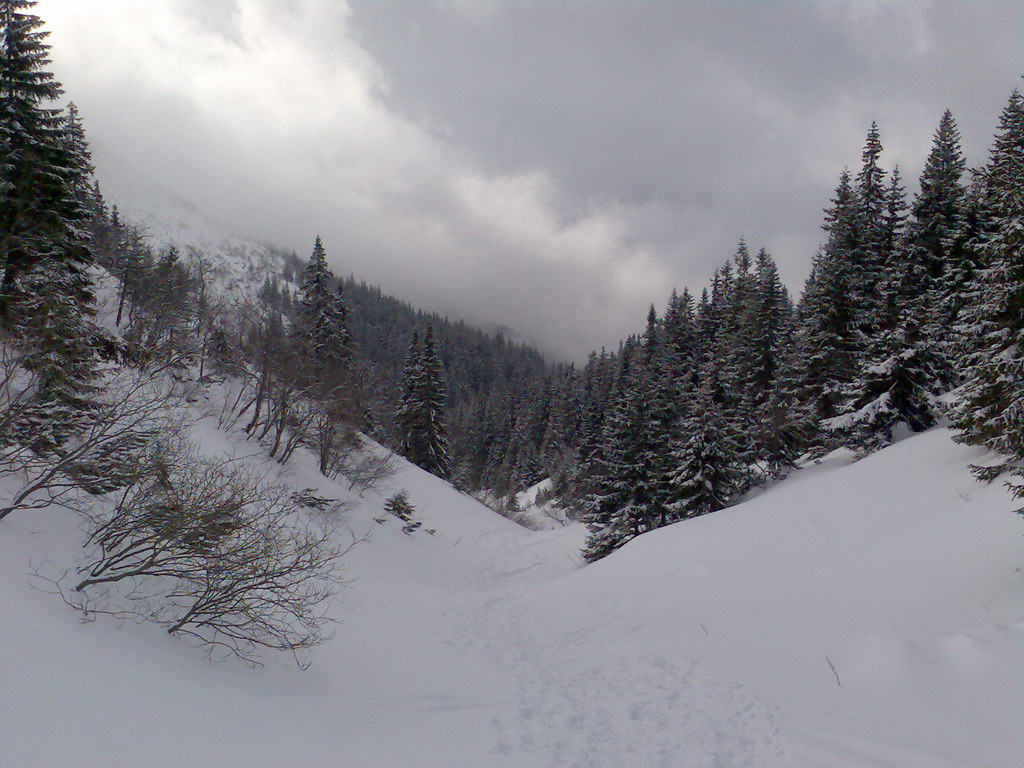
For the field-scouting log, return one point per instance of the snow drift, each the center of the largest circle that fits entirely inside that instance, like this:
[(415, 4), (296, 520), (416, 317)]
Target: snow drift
[(854, 615)]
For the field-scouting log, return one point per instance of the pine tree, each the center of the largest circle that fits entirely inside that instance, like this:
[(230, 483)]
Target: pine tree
[(767, 327), (990, 409), (42, 166), (620, 504), (900, 281), (872, 235), (45, 246), (933, 260), (420, 414), (322, 322), (737, 353), (708, 471), (897, 393), (400, 506), (831, 339)]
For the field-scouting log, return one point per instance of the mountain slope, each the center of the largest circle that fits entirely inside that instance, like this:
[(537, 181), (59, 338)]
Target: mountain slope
[(700, 644)]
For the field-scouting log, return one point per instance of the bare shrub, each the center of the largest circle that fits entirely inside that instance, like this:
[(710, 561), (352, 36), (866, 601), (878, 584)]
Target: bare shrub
[(363, 467), (208, 550), (101, 454)]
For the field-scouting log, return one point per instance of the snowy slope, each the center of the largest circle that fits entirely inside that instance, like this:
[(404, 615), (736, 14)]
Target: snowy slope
[(235, 263), (703, 644)]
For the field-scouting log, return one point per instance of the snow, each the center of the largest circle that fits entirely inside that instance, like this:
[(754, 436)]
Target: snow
[(234, 264), (539, 515), (707, 643)]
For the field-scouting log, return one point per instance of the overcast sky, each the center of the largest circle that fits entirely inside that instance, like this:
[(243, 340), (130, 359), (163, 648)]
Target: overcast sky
[(550, 166)]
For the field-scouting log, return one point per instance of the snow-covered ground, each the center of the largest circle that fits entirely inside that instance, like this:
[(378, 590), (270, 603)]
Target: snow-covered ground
[(234, 264), (708, 643)]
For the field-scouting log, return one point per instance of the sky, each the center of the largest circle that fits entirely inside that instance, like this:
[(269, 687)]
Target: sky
[(553, 166)]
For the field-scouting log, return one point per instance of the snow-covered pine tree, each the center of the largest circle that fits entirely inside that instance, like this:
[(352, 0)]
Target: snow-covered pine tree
[(400, 506), (935, 235), (622, 490), (737, 354), (990, 408), (420, 414), (679, 339), (871, 238), (42, 218), (900, 281), (80, 167), (45, 244), (830, 336), (897, 393), (900, 374), (768, 326), (556, 451), (708, 468), (783, 427), (321, 325)]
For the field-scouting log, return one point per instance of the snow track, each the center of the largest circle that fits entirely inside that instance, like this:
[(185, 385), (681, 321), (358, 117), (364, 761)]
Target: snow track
[(581, 704)]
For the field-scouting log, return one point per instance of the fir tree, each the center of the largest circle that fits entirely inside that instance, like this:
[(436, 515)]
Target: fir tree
[(708, 471), (620, 505), (45, 245), (830, 336), (43, 164), (766, 333), (400, 506), (898, 392), (990, 409), (935, 233), (322, 321), (421, 410), (872, 235)]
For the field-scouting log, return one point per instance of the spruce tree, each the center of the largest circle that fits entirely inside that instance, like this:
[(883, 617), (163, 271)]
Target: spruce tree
[(43, 217), (870, 224), (737, 353), (768, 323), (45, 243), (990, 410), (832, 341), (619, 505), (898, 392), (322, 322), (420, 414), (708, 468)]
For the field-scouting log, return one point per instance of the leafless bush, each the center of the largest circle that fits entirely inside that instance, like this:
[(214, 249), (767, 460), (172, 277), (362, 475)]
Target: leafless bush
[(101, 454), (208, 550), (363, 467), (307, 498)]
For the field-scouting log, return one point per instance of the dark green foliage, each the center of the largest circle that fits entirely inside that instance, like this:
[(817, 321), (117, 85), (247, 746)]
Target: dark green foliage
[(898, 391), (623, 501), (830, 336), (420, 414), (45, 247), (43, 167), (990, 410), (400, 506), (708, 468), (321, 322)]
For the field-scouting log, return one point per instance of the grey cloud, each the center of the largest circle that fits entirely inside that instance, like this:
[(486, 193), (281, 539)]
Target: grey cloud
[(550, 166)]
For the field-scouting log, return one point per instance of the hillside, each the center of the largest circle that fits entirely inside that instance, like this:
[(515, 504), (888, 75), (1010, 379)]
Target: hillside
[(493, 381), (704, 643)]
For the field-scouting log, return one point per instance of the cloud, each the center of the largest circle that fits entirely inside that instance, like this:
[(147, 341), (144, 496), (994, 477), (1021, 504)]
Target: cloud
[(550, 166)]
